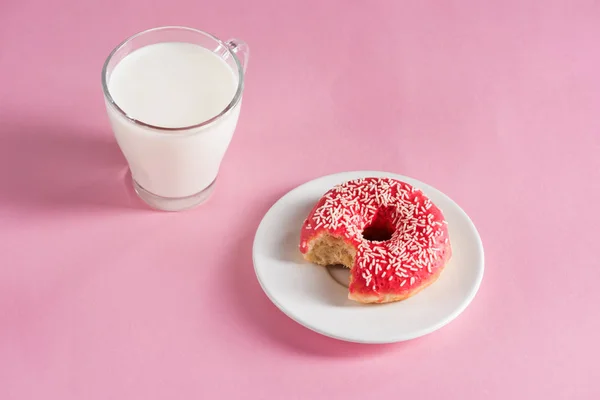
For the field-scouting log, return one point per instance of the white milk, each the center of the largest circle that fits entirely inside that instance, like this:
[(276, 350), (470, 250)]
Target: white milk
[(173, 85)]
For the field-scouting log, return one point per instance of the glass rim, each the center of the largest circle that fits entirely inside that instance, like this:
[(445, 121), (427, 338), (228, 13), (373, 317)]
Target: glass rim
[(232, 104)]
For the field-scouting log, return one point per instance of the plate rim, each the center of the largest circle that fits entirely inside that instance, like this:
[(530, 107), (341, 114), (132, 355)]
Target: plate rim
[(423, 332)]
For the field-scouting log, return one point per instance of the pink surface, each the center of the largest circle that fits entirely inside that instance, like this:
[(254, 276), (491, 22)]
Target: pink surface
[(496, 105)]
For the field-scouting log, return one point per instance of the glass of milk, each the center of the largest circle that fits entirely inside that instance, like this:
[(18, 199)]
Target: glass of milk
[(173, 96)]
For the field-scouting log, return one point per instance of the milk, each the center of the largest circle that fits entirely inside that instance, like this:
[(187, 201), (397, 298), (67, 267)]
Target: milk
[(173, 85)]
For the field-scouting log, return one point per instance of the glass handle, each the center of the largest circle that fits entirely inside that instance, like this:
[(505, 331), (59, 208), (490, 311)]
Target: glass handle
[(241, 50)]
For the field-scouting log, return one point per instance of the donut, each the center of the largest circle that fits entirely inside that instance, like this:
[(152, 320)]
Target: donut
[(389, 233)]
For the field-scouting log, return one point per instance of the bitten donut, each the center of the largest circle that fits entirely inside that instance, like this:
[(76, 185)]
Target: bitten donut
[(391, 236)]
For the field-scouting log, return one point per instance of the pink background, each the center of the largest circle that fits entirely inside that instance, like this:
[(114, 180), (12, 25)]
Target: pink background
[(496, 105)]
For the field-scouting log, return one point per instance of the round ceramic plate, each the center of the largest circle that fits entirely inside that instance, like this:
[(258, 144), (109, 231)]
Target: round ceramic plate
[(310, 295)]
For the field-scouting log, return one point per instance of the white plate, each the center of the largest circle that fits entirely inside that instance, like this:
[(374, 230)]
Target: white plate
[(308, 294)]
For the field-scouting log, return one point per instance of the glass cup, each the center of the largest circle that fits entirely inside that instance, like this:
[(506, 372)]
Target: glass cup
[(175, 168)]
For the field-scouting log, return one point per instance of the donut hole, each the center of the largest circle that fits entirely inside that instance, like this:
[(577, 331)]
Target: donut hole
[(380, 229), (377, 233)]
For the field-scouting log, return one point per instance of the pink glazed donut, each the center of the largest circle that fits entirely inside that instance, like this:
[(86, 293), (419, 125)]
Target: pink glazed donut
[(392, 237)]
